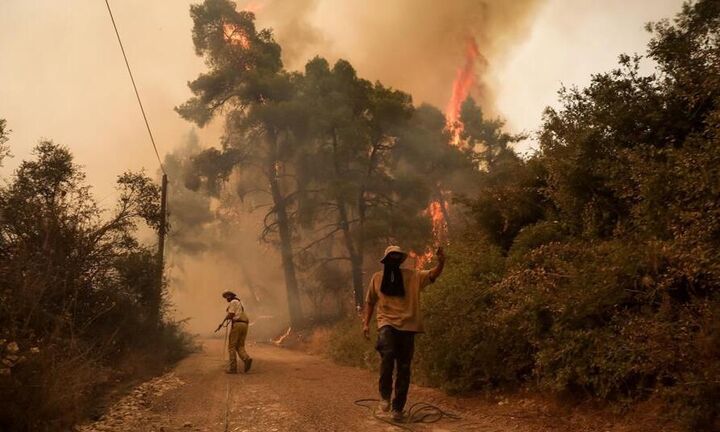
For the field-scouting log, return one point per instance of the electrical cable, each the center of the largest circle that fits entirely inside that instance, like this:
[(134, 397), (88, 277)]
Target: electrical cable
[(227, 382), (227, 405), (137, 94), (225, 340), (420, 412)]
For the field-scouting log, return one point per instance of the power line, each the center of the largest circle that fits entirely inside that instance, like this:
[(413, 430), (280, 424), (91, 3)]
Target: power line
[(142, 109)]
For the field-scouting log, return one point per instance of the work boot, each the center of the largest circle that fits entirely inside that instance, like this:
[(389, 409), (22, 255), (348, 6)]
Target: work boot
[(384, 405), (248, 364), (398, 416)]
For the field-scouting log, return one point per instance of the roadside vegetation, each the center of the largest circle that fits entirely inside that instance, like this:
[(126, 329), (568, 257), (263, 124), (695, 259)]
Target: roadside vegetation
[(591, 269), (587, 269), (81, 298)]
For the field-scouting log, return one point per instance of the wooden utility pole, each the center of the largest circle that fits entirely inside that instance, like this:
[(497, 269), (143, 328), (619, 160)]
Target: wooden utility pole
[(161, 252), (163, 228)]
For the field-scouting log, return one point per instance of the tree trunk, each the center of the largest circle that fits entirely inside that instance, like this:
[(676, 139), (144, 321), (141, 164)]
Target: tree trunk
[(344, 221), (362, 207), (355, 259), (293, 296)]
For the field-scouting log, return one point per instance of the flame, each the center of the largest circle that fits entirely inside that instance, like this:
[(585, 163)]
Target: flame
[(282, 338), (437, 218), (436, 213), (235, 35), (464, 81), (420, 259)]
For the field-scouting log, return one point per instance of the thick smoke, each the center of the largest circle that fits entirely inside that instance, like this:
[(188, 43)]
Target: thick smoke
[(414, 45), (212, 247)]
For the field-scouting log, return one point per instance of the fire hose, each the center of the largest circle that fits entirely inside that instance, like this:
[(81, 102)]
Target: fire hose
[(227, 381), (419, 412)]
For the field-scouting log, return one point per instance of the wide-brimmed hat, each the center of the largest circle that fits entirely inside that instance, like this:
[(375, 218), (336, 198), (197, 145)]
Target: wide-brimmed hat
[(391, 249)]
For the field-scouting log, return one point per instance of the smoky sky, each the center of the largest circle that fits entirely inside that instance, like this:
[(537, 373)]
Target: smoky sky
[(528, 48), (62, 75), (413, 45)]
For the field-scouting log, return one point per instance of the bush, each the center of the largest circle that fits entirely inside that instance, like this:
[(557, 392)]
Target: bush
[(618, 320), (462, 349), (79, 295), (620, 299), (534, 236), (49, 389), (348, 346), (53, 386)]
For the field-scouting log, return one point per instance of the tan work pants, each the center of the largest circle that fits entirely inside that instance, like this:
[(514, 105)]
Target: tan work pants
[(236, 344)]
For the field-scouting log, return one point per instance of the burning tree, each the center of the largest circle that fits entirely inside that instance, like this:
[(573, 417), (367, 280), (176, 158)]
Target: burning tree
[(247, 83), (468, 132), (463, 84), (347, 164)]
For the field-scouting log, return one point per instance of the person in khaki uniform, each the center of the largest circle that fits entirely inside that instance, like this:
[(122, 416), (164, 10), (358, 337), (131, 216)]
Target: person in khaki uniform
[(396, 293), (238, 322)]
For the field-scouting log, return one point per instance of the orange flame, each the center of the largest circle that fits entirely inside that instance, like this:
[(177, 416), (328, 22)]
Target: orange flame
[(464, 81), (420, 259), (235, 35), (439, 229), (439, 224)]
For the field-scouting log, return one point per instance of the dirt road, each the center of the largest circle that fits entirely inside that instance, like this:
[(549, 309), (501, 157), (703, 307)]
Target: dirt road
[(290, 391)]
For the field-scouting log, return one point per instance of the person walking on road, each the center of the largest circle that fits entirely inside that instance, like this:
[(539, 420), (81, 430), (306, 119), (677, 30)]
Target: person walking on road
[(396, 293), (238, 322)]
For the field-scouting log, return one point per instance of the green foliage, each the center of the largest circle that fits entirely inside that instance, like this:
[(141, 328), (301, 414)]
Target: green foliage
[(486, 138), (331, 156), (616, 320), (591, 269), (533, 236), (243, 62), (78, 292), (4, 132), (509, 196), (263, 122), (457, 309), (353, 129), (611, 282), (347, 345)]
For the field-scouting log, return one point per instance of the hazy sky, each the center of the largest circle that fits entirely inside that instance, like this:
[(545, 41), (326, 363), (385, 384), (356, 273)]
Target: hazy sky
[(569, 41), (62, 75)]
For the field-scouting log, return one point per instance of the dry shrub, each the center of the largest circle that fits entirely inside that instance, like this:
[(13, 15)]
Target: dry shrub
[(78, 292), (621, 321), (50, 390), (347, 346), (319, 340)]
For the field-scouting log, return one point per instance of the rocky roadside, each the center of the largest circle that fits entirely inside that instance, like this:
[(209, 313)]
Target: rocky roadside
[(135, 410)]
